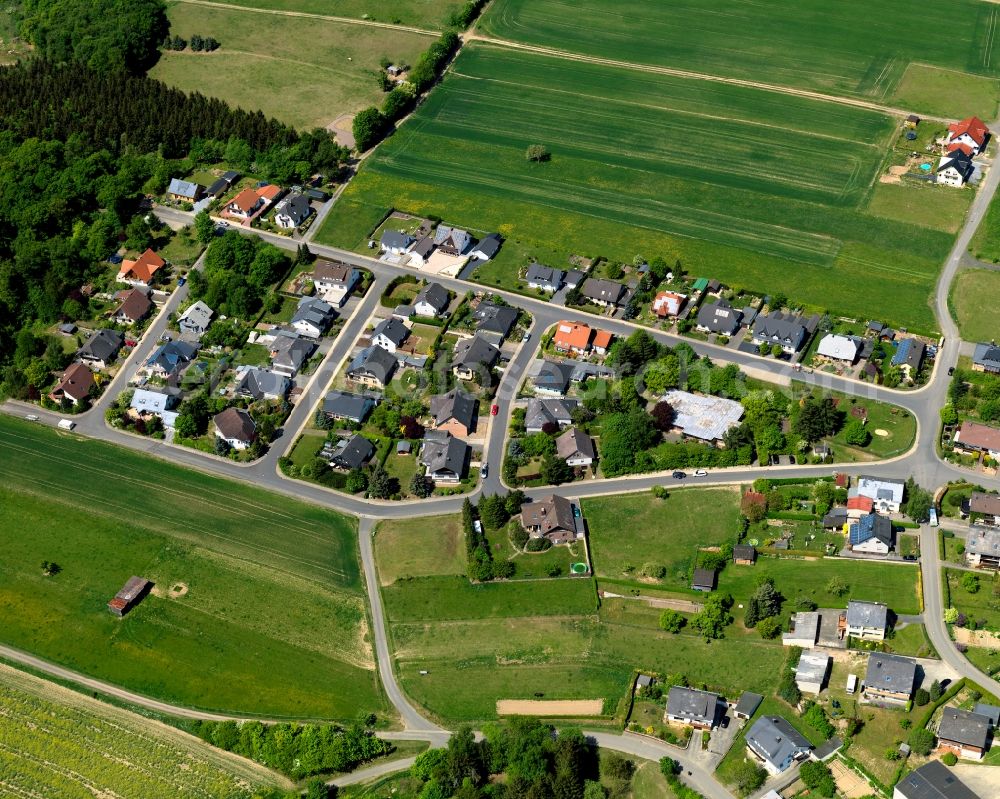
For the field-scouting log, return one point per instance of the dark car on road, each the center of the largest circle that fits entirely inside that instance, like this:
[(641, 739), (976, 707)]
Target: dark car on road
[(679, 475)]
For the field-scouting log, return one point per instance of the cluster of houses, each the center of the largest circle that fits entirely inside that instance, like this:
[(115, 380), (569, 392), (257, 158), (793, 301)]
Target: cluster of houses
[(975, 438), (443, 250), (604, 293), (965, 140), (864, 520), (847, 350)]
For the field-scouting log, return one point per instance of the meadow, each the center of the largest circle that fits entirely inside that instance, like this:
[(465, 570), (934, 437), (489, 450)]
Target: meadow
[(429, 14), (986, 243), (305, 72), (419, 547), (59, 743), (249, 585), (973, 301), (808, 44), (631, 172)]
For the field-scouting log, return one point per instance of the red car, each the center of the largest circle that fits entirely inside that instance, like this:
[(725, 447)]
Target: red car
[(494, 410), (129, 342)]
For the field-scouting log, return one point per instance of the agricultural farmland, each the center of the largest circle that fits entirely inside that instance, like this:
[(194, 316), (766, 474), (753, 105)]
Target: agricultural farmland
[(777, 42), (55, 742), (261, 588), (428, 14), (747, 186)]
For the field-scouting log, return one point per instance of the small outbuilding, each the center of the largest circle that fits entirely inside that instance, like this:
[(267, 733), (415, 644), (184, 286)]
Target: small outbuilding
[(132, 594)]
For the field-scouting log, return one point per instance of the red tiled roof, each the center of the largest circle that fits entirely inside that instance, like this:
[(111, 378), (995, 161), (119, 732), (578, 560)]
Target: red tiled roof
[(864, 504), (978, 436), (142, 268), (245, 200), (602, 339), (268, 192), (957, 145), (573, 335), (973, 127)]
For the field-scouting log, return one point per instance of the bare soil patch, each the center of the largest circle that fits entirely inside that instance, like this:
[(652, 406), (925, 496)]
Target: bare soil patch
[(342, 129), (550, 707)]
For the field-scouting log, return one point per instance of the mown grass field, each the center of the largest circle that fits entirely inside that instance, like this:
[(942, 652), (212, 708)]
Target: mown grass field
[(56, 742), (267, 589), (809, 44), (986, 243), (430, 14), (974, 296), (664, 532), (306, 72), (420, 547), (754, 188)]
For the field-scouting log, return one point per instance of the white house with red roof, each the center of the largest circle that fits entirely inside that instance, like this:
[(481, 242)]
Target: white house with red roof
[(968, 135)]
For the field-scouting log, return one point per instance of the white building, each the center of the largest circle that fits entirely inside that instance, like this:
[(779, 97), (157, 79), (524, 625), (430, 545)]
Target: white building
[(838, 348), (954, 169), (811, 672), (885, 493), (867, 620), (703, 417)]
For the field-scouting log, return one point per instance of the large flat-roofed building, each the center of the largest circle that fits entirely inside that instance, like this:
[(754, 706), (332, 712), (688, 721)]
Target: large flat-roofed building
[(804, 630), (703, 417)]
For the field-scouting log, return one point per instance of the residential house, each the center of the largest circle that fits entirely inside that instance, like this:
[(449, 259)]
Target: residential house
[(858, 507), (954, 169), (492, 318), (933, 780), (668, 303), (487, 247), (982, 548), (964, 733), (744, 555), (134, 306), (389, 334), (706, 418), (803, 631), (576, 447), (252, 201), (292, 211), (235, 427), (444, 456), (553, 518), (986, 358), (886, 494), (334, 281), (101, 348), (75, 385), (909, 357), (162, 404), (776, 744), (890, 679), (970, 132), (372, 367), (703, 580), (572, 337), (553, 378), (420, 253), (839, 348), (313, 317), (991, 712), (836, 518), (474, 359), (432, 300), (140, 271), (602, 342), (581, 371), (605, 293), (195, 320), (132, 593), (395, 242), (170, 359), (786, 330), (698, 709), (811, 671), (289, 353), (747, 705), (222, 184), (454, 412), (184, 190), (984, 508), (257, 384), (573, 278), (720, 318), (872, 534), (868, 621), (541, 412), (343, 405), (976, 438), (351, 452), (451, 240), (544, 278)]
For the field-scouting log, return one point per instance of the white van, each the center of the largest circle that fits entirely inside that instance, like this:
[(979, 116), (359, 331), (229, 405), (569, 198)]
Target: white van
[(66, 424)]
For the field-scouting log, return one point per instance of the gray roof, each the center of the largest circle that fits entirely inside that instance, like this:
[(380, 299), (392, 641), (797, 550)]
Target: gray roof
[(443, 453), (435, 295), (891, 673), (933, 780), (987, 356), (704, 578), (690, 703), (259, 383), (393, 329), (373, 361), (456, 404), (197, 316), (172, 355), (315, 312), (867, 614), (347, 405), (780, 328), (701, 416), (812, 666), (574, 442), (103, 345), (879, 488), (291, 351), (544, 276), (775, 739), (604, 290), (553, 376), (184, 188), (424, 247), (153, 401), (964, 727), (749, 702), (393, 239), (720, 318), (983, 541), (473, 351), (992, 712), (452, 237), (835, 518), (352, 453), (489, 245), (493, 318), (542, 411), (295, 206)]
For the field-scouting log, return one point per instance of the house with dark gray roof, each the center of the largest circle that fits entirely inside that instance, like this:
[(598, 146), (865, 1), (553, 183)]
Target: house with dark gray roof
[(350, 407), (444, 456), (454, 412), (603, 292), (871, 534), (196, 319), (474, 359), (452, 240), (221, 184), (933, 780), (703, 580), (890, 679), (395, 242), (986, 358), (553, 378), (991, 712), (699, 709), (255, 383), (349, 453), (184, 190), (909, 356), (776, 744), (720, 318), (492, 318), (292, 211), (389, 334), (373, 366), (487, 247), (432, 300), (313, 316), (748, 704), (964, 733), (867, 620), (541, 412), (289, 353), (544, 278), (101, 348), (786, 330), (170, 359), (982, 548)]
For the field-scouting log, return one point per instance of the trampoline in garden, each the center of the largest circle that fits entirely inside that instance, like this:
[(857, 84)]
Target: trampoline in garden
[(753, 542), (579, 568), (925, 167)]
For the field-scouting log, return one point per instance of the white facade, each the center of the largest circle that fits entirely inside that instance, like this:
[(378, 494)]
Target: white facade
[(838, 348), (949, 176)]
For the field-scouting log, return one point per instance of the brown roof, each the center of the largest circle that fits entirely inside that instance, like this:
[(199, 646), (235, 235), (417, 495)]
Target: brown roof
[(332, 270), (978, 436), (984, 503), (76, 382), (245, 200), (574, 441), (135, 305), (268, 192), (236, 424), (143, 267), (549, 515)]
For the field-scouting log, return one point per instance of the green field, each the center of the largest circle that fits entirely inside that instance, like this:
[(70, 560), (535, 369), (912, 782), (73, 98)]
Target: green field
[(260, 588), (429, 14), (944, 92), (973, 299), (936, 207), (56, 742), (986, 243), (666, 532), (625, 178), (421, 547), (809, 44), (977, 605), (305, 72)]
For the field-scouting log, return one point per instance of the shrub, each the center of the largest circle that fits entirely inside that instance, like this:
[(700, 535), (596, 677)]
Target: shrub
[(921, 697), (921, 742), (949, 758), (769, 627)]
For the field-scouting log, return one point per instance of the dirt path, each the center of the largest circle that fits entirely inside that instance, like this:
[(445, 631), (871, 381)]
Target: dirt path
[(657, 602), (305, 15), (683, 73)]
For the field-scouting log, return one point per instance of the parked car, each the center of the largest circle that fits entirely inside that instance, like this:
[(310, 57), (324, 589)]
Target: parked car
[(679, 475), (951, 371), (32, 417), (485, 471), (526, 336), (181, 281), (700, 473), (494, 409)]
